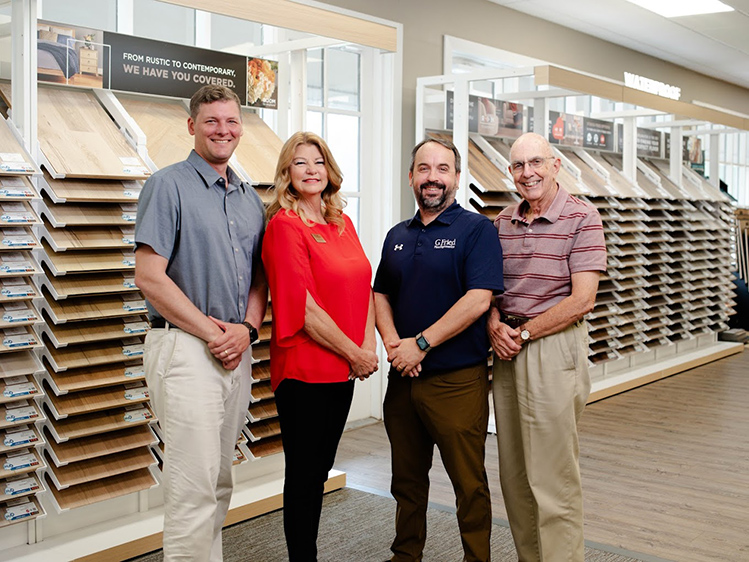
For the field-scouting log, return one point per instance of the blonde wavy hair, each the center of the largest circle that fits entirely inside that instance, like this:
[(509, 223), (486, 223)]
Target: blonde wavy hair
[(286, 197)]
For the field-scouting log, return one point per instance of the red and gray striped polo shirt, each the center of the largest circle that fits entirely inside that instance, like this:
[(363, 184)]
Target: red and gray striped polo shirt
[(540, 257)]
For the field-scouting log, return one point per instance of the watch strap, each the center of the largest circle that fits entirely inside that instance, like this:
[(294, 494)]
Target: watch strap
[(423, 343), (253, 331)]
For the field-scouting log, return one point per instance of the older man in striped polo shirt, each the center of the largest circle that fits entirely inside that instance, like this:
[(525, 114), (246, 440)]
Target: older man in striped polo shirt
[(554, 251)]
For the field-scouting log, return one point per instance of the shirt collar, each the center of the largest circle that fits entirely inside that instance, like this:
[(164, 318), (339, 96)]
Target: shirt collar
[(211, 176), (551, 214), (445, 217)]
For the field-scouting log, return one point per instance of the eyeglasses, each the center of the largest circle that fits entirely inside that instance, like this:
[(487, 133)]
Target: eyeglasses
[(534, 163)]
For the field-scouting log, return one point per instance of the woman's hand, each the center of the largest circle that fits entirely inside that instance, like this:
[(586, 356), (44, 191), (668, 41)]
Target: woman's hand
[(363, 363)]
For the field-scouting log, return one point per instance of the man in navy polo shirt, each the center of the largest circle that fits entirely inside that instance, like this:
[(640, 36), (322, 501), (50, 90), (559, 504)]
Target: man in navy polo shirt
[(433, 288)]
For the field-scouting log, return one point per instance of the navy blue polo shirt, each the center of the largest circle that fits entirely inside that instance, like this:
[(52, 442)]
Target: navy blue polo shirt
[(425, 270)]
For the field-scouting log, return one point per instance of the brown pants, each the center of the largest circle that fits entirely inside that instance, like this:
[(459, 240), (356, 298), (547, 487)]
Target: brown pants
[(539, 397), (450, 410)]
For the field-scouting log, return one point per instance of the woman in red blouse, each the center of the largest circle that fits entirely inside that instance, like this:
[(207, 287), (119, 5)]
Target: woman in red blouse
[(323, 326)]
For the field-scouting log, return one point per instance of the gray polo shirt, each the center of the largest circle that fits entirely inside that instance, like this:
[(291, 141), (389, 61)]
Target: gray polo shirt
[(211, 235)]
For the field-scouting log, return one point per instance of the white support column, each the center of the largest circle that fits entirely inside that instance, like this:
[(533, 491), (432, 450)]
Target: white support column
[(461, 112), (714, 171), (629, 150), (283, 117), (298, 91), (541, 117), (23, 71), (125, 17), (202, 29), (675, 161)]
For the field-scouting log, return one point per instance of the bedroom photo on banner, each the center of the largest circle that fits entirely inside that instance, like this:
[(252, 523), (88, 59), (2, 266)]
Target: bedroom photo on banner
[(71, 55)]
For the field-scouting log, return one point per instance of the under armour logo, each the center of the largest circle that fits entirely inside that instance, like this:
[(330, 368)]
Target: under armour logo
[(398, 247)]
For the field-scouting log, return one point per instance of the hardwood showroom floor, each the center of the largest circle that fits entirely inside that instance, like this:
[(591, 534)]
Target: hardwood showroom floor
[(665, 466)]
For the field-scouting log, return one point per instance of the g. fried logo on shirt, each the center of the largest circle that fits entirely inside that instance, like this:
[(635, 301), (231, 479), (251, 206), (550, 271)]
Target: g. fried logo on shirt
[(444, 243), (398, 247)]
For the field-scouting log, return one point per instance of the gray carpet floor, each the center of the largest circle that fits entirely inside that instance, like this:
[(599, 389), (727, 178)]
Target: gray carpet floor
[(357, 526)]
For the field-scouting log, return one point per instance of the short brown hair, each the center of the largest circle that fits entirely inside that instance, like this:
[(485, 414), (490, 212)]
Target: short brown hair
[(209, 94), (446, 143)]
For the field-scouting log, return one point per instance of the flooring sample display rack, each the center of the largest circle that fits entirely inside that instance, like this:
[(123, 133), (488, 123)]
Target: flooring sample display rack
[(21, 457), (91, 384), (669, 278)]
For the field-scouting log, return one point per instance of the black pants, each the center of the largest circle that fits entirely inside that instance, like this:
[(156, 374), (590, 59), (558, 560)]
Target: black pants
[(312, 417)]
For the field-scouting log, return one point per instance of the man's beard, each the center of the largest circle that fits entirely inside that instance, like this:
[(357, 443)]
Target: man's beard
[(432, 203)]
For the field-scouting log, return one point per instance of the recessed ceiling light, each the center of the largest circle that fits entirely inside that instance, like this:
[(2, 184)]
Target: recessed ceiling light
[(676, 8)]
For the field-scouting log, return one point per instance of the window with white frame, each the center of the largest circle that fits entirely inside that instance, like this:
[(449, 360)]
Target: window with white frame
[(334, 112)]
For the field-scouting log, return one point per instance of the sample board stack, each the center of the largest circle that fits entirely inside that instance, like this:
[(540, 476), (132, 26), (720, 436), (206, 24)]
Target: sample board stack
[(164, 125), (97, 432), (669, 274), (21, 459), (742, 243)]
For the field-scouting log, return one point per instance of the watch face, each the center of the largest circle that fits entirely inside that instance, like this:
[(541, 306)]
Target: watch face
[(525, 335)]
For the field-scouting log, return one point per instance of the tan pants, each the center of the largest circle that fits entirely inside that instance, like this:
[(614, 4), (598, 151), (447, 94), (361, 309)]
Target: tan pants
[(201, 409), (539, 397)]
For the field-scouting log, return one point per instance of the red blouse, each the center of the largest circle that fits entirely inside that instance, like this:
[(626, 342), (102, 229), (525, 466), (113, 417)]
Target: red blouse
[(334, 269)]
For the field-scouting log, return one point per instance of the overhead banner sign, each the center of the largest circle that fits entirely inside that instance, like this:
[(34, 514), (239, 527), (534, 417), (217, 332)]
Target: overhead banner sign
[(155, 67), (487, 116), (576, 130), (102, 59), (649, 142)]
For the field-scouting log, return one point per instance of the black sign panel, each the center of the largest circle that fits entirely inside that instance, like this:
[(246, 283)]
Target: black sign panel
[(649, 142), (576, 130), (156, 67), (489, 117)]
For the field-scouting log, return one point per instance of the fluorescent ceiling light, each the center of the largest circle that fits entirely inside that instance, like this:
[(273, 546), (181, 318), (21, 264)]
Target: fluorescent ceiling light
[(676, 8)]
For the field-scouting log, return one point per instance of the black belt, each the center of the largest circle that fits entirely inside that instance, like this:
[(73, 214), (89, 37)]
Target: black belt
[(514, 321), (158, 323)]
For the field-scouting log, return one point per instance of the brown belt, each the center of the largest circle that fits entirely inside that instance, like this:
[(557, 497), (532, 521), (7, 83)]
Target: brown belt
[(514, 321)]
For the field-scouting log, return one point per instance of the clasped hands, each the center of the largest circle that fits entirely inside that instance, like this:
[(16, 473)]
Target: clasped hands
[(230, 345), (363, 363), (405, 356), (505, 340)]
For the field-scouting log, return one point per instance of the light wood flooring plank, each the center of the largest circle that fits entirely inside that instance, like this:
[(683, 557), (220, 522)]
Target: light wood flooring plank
[(164, 122), (79, 139), (259, 148)]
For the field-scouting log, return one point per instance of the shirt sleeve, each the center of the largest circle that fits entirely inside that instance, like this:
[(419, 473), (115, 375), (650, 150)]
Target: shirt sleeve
[(287, 268), (382, 282), (589, 246), (158, 221), (483, 261)]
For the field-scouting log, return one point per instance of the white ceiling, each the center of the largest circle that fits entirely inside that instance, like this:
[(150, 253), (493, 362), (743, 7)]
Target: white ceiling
[(713, 44)]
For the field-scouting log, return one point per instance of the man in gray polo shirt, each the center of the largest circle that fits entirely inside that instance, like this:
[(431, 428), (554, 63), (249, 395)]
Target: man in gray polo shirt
[(198, 237)]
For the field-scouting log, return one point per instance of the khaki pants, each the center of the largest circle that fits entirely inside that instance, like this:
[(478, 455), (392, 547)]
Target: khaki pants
[(201, 409), (539, 397), (450, 410)]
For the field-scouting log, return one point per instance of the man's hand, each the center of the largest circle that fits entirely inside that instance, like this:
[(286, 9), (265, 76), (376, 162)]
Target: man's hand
[(231, 344), (505, 340), (406, 356)]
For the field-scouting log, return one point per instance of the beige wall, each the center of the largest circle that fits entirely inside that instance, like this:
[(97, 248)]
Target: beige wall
[(425, 22)]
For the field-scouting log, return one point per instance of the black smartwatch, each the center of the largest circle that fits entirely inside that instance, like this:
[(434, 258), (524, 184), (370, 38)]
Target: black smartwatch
[(253, 332), (423, 343)]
